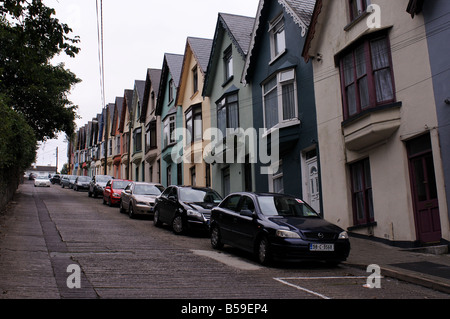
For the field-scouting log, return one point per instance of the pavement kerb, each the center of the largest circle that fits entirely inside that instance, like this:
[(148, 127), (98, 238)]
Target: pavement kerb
[(408, 276)]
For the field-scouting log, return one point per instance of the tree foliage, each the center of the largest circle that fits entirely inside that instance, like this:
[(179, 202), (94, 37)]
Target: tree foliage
[(30, 36)]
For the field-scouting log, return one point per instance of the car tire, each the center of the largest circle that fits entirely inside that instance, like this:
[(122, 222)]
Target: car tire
[(131, 211), (89, 193), (156, 220), (178, 225), (263, 252), (216, 239), (104, 201), (121, 209)]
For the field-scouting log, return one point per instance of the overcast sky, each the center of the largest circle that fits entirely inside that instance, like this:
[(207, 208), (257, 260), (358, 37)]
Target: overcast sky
[(137, 33)]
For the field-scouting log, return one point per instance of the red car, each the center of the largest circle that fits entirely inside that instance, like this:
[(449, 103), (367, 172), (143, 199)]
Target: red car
[(113, 189)]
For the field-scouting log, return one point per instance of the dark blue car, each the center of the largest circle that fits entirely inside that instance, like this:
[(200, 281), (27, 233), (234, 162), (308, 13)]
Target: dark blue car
[(275, 226)]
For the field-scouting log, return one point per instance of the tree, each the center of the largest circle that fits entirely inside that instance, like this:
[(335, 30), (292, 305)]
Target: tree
[(29, 38)]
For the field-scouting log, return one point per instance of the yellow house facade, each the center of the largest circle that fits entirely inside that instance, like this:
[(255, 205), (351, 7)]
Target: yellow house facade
[(196, 112)]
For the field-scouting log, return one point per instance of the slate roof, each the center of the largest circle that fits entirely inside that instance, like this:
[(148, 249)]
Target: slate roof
[(240, 28), (153, 80), (202, 51), (175, 65)]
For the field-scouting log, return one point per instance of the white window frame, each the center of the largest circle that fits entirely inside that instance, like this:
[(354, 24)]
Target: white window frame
[(276, 26), (169, 128), (279, 87), (278, 175)]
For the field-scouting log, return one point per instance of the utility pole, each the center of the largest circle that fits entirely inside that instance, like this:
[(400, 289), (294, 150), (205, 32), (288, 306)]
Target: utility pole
[(57, 160)]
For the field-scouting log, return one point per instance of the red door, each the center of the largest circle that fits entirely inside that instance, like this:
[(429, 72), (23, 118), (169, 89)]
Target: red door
[(423, 180)]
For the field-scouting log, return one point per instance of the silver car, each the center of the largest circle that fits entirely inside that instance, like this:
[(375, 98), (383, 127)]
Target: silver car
[(138, 198)]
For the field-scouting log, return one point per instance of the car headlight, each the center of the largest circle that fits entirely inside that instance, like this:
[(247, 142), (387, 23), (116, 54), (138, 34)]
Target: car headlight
[(116, 195), (343, 235), (142, 203), (287, 234), (193, 213)]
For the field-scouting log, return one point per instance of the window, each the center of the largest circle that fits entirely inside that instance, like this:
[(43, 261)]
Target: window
[(169, 129), (193, 177), (195, 79), (169, 175), (171, 87), (110, 148), (366, 76), (228, 113), (278, 181), (150, 136), (231, 202), (208, 175), (277, 37), (362, 193), (280, 99), (118, 150), (228, 63), (357, 7), (137, 139), (194, 123)]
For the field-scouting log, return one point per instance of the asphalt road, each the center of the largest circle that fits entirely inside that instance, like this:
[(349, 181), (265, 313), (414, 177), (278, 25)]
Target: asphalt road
[(122, 258)]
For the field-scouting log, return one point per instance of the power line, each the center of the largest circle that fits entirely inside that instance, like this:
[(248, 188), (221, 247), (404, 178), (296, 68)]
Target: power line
[(100, 49)]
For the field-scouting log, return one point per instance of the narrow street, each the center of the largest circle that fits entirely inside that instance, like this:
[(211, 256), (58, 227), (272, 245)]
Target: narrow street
[(47, 229)]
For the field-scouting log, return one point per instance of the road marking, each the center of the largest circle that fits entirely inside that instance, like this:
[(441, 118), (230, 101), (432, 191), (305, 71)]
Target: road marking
[(227, 259), (285, 281)]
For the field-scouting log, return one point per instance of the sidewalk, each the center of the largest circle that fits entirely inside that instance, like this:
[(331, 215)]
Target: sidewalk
[(427, 269)]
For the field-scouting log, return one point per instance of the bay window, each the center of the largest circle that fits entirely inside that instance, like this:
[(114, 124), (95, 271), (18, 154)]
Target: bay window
[(366, 76), (280, 99), (228, 113)]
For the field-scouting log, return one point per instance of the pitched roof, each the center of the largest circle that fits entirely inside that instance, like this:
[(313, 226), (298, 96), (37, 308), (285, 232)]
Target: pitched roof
[(240, 29), (301, 12), (172, 64), (152, 80), (202, 51)]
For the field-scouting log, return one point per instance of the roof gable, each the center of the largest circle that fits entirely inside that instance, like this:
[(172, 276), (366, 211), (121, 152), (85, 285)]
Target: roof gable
[(300, 11), (172, 65)]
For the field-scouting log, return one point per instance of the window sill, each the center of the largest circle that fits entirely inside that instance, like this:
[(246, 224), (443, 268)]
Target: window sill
[(362, 226), (277, 57), (356, 20), (281, 125), (228, 81)]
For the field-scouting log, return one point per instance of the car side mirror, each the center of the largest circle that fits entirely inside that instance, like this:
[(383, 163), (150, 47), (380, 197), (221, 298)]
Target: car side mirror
[(172, 198), (247, 213), (127, 191)]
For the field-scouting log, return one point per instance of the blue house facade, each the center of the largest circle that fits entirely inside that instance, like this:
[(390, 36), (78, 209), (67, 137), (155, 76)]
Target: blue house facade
[(171, 173), (436, 15), (283, 99)]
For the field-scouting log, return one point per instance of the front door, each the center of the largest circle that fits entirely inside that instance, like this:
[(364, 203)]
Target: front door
[(313, 184), (423, 181)]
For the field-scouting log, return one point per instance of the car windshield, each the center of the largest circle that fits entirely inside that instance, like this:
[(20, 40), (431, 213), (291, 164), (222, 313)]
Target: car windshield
[(285, 206), (103, 179), (72, 178), (142, 189), (84, 179), (42, 177), (193, 195), (120, 184)]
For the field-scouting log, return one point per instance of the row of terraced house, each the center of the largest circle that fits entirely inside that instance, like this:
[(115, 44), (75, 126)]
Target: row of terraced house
[(344, 103)]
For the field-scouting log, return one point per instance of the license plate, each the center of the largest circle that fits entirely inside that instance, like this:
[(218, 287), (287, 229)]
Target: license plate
[(321, 247)]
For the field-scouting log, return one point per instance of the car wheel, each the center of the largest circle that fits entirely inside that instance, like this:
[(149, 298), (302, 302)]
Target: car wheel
[(121, 209), (104, 201), (263, 251), (109, 202), (156, 220), (178, 225), (131, 211), (216, 241), (89, 194)]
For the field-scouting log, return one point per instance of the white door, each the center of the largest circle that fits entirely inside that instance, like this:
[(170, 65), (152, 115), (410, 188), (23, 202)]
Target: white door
[(313, 184)]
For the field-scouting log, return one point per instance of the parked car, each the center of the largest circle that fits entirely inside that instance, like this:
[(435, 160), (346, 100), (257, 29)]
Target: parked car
[(276, 226), (32, 177), (81, 183), (41, 181), (185, 207), (113, 191), (56, 179), (98, 184), (138, 198), (68, 180)]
